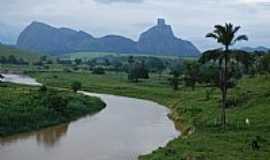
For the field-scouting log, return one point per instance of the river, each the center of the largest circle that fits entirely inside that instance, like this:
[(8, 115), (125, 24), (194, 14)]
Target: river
[(125, 129)]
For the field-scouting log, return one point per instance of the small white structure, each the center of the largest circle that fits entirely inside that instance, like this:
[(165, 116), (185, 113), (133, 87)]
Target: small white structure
[(247, 122)]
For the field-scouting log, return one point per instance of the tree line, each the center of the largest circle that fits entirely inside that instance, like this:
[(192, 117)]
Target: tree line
[(11, 59)]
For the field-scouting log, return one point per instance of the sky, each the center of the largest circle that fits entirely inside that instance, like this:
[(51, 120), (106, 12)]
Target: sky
[(190, 19)]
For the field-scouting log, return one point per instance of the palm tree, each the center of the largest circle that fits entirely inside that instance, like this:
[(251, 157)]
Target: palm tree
[(227, 36)]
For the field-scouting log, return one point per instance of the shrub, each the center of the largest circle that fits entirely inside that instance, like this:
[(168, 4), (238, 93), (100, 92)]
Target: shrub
[(56, 102), (76, 85), (43, 88)]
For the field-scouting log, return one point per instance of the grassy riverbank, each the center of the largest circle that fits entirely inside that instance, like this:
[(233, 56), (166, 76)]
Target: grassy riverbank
[(24, 108), (193, 109)]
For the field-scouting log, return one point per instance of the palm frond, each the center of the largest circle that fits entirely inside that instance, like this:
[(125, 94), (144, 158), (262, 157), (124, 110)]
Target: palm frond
[(220, 28), (240, 38), (211, 55), (228, 27), (212, 35), (236, 29), (226, 34)]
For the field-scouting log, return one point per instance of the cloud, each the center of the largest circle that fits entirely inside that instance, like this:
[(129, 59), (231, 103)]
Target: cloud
[(254, 1), (113, 1), (190, 19)]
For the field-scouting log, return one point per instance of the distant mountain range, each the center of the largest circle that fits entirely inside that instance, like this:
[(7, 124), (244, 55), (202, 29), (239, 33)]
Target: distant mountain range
[(158, 40), (250, 49)]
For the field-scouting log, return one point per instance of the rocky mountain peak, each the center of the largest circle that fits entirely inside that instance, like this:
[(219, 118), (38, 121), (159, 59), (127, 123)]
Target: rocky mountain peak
[(161, 30), (161, 22), (160, 39)]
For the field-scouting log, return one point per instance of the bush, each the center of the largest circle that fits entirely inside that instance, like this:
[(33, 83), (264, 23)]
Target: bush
[(76, 85), (56, 102), (43, 88), (98, 70)]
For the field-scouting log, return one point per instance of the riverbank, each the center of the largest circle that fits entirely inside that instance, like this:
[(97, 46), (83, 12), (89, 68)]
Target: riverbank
[(193, 111), (25, 108)]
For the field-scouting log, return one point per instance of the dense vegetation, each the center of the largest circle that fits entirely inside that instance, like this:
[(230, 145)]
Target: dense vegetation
[(27, 108)]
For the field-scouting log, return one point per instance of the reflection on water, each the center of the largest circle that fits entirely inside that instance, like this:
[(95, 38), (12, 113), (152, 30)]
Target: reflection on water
[(48, 137)]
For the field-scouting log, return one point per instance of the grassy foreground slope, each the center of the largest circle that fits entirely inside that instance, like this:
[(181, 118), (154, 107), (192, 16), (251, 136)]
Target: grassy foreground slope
[(25, 108), (192, 109)]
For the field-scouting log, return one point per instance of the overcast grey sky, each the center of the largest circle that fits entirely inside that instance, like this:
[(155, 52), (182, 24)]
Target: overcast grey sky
[(190, 19)]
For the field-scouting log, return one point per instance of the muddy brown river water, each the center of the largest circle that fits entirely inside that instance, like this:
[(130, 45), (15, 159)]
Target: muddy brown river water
[(125, 129)]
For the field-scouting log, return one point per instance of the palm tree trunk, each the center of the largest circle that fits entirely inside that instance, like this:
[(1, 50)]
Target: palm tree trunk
[(221, 84), (224, 88), (223, 108)]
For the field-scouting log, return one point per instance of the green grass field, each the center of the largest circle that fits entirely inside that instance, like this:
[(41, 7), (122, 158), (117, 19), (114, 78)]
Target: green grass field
[(92, 55), (192, 111), (86, 55), (25, 108)]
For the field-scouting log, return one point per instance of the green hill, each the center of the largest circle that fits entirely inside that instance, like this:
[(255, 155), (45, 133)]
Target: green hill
[(18, 53)]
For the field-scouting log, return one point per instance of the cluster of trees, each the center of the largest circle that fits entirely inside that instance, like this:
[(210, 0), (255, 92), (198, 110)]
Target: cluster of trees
[(261, 63), (240, 62), (136, 67), (43, 60), (207, 69), (190, 73), (12, 60), (137, 70)]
